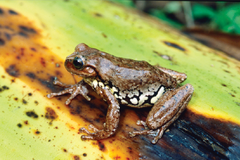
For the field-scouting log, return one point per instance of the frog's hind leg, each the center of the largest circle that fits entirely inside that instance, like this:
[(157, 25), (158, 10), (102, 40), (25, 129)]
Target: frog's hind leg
[(166, 110)]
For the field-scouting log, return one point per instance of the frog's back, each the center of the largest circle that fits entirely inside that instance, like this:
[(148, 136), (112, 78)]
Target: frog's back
[(129, 74)]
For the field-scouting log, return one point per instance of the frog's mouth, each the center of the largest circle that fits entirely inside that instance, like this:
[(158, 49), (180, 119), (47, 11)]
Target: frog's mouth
[(79, 69)]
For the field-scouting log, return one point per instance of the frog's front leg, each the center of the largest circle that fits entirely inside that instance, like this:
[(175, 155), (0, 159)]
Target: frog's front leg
[(74, 90), (112, 118), (165, 111)]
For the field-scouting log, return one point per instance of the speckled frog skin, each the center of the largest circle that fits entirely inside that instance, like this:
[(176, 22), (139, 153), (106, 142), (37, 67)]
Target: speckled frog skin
[(133, 83)]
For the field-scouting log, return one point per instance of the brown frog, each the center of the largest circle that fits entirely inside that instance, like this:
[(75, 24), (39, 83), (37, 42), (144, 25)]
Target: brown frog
[(124, 81)]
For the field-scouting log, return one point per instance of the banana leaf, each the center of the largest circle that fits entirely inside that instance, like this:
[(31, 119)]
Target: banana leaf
[(36, 37)]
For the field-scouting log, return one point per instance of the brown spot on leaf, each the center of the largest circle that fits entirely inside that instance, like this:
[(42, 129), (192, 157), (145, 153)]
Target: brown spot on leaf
[(98, 14), (27, 29), (24, 101), (13, 71), (50, 113), (226, 71), (2, 42), (101, 146), (43, 62), (174, 45), (31, 114), (33, 49), (76, 157), (12, 12), (4, 88), (58, 73), (223, 62), (130, 149), (1, 11), (232, 95), (36, 102), (23, 34), (37, 132), (26, 122), (19, 125), (104, 35), (224, 85), (8, 36), (31, 75)]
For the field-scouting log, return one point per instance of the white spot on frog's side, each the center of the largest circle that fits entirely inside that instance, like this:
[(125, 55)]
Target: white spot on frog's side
[(101, 84), (107, 86), (114, 89), (124, 102), (122, 94), (94, 83), (118, 97), (130, 94), (136, 92), (142, 98), (159, 94), (148, 92), (134, 101)]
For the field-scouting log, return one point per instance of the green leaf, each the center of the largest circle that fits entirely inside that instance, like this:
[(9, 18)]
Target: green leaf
[(228, 19), (200, 11)]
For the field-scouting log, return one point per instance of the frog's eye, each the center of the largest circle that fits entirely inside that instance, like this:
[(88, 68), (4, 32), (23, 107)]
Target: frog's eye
[(78, 63)]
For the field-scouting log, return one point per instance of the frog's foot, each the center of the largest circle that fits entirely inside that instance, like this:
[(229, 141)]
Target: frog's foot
[(96, 135), (158, 133), (74, 90)]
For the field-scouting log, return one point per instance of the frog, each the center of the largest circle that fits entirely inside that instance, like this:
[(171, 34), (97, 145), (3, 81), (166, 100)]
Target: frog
[(122, 81)]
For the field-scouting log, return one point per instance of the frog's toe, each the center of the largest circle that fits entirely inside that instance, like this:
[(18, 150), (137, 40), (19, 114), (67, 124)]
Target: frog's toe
[(59, 83), (84, 130), (157, 134), (142, 123), (50, 95), (155, 140), (87, 137), (143, 132)]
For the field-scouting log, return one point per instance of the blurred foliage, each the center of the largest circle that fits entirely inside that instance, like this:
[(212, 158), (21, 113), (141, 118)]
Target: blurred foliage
[(224, 16), (228, 19), (202, 11), (161, 15), (170, 8)]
